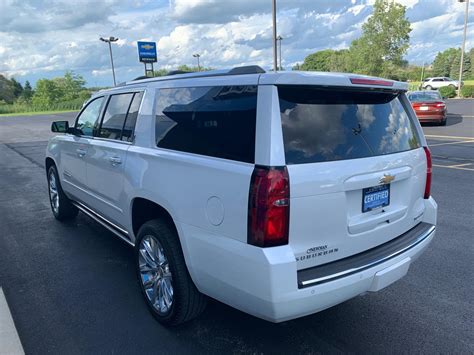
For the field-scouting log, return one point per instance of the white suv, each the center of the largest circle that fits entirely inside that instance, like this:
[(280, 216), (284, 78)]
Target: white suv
[(438, 82), (280, 194)]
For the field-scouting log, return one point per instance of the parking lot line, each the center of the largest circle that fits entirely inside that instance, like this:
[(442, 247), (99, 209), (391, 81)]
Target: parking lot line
[(455, 142), (457, 167), (9, 341), (446, 137)]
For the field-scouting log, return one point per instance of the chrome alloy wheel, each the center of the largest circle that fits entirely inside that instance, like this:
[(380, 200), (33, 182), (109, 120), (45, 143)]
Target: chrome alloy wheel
[(155, 274), (53, 192)]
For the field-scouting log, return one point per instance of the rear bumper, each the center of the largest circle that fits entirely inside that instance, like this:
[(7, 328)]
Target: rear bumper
[(264, 281), (431, 118)]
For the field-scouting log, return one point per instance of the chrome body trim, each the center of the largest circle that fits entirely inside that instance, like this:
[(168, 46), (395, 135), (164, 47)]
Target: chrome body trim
[(327, 278), (120, 232)]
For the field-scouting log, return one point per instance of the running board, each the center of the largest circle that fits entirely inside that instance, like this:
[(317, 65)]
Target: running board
[(119, 232)]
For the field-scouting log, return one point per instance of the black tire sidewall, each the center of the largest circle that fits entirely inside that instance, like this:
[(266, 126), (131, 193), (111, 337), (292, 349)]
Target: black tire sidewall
[(149, 229)]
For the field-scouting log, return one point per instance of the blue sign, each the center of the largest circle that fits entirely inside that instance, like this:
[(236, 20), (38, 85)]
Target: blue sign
[(147, 52)]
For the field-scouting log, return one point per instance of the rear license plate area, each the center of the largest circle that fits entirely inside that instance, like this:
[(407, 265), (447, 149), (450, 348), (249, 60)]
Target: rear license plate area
[(424, 108), (375, 197)]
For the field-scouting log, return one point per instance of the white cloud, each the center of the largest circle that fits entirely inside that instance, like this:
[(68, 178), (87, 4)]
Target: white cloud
[(46, 37)]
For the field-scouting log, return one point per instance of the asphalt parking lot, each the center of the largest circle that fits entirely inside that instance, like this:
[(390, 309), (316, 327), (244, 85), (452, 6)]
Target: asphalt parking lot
[(71, 288)]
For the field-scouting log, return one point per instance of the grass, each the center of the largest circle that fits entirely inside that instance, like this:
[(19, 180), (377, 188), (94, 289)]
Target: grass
[(33, 113)]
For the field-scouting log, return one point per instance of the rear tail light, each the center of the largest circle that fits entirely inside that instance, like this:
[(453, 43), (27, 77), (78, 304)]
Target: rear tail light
[(269, 207), (429, 167), (440, 104)]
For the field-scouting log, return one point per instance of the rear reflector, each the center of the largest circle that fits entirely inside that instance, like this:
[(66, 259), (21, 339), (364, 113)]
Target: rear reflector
[(429, 167), (269, 207), (362, 81)]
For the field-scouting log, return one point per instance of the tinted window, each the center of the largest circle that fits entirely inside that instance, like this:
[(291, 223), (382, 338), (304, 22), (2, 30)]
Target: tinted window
[(129, 127), (213, 121), (424, 96), (437, 79), (114, 116), (325, 125), (89, 116)]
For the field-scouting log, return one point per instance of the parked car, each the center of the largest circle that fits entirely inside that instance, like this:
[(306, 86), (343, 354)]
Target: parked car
[(279, 194), (439, 82), (429, 106)]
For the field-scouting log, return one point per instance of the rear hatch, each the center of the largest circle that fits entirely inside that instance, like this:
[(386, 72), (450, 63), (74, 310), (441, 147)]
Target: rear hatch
[(356, 167)]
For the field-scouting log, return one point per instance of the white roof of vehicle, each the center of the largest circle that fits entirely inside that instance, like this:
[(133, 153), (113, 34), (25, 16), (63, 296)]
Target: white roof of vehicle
[(254, 75)]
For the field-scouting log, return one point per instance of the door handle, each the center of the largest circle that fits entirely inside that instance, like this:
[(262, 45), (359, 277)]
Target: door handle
[(115, 161), (81, 152)]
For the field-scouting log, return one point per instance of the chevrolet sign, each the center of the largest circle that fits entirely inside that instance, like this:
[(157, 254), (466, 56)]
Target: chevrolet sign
[(147, 52)]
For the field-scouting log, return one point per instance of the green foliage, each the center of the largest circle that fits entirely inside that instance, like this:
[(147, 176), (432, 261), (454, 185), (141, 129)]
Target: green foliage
[(7, 90), (379, 51), (447, 92), (67, 90), (447, 63), (64, 93), (467, 91), (384, 40)]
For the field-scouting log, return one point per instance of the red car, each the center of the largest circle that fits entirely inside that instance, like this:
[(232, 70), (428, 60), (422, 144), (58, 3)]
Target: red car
[(429, 106)]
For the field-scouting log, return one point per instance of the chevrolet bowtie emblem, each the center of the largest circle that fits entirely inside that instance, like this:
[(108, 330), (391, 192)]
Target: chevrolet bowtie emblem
[(147, 46), (386, 179)]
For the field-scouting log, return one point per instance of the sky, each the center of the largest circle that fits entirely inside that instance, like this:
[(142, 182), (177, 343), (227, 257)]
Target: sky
[(44, 38)]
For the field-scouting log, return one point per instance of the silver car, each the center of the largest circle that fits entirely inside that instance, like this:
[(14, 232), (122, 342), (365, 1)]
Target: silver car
[(439, 82)]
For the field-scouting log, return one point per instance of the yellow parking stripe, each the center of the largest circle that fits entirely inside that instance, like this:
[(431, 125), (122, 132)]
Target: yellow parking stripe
[(457, 167), (447, 137), (447, 143)]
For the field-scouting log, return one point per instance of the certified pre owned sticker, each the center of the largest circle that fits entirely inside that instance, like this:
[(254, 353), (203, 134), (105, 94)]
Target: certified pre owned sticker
[(317, 251)]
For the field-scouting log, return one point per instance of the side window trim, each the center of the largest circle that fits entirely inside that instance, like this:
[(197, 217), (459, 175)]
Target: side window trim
[(126, 115), (104, 109), (85, 106)]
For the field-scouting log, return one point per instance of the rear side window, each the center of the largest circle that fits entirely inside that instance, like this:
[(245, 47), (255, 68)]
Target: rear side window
[(120, 116), (213, 121), (131, 120), (322, 125), (114, 117)]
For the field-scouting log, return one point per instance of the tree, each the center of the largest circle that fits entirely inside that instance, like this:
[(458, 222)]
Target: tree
[(46, 94), (6, 90), (443, 62), (318, 61), (27, 93), (466, 68), (70, 85), (384, 40), (17, 88)]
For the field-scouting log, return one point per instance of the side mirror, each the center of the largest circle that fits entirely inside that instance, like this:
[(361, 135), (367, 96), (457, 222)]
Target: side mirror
[(60, 126)]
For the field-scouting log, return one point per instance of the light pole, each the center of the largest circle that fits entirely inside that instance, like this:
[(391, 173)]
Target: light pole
[(197, 55), (109, 41), (463, 45), (279, 38), (274, 35)]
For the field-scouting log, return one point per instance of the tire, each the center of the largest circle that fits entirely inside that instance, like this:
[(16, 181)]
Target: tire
[(160, 265), (428, 87), (443, 122), (452, 86), (61, 206)]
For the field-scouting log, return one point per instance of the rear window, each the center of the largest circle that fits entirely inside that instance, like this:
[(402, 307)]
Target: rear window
[(424, 96), (321, 125), (215, 121)]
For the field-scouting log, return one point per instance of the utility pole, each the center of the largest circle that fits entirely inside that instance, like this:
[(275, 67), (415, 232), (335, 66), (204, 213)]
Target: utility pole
[(109, 41), (463, 45), (279, 38), (275, 64), (422, 75), (197, 55)]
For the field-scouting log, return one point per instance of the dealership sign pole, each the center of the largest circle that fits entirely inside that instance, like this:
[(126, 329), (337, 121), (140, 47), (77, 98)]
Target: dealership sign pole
[(147, 55)]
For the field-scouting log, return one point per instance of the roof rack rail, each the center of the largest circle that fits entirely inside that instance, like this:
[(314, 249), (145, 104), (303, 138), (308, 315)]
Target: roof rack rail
[(249, 69)]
